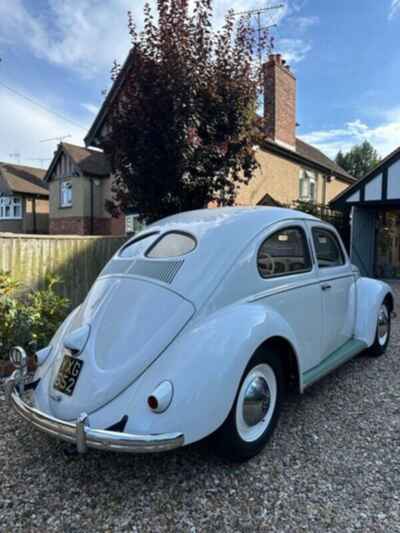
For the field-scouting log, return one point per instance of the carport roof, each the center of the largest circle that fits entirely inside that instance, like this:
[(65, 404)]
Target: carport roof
[(345, 196)]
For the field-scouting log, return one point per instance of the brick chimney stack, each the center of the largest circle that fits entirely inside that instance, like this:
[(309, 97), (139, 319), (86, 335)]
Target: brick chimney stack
[(280, 102)]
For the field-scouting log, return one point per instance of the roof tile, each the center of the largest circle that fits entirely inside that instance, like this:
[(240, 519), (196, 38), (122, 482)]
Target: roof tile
[(22, 179)]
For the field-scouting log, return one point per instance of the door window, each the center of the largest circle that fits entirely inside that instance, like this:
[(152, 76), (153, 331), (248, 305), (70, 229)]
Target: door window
[(327, 248), (284, 252)]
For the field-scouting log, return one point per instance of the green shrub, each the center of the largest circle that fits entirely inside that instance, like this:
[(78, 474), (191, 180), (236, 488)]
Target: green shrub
[(14, 321), (46, 310), (29, 321)]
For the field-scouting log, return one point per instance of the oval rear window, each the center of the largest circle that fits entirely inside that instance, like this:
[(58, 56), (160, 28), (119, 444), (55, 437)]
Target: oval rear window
[(137, 246), (172, 244)]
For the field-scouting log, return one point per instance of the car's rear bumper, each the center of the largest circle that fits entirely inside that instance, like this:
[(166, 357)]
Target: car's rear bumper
[(83, 436)]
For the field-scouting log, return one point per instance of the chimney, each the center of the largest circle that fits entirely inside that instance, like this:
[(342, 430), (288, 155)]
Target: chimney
[(280, 102)]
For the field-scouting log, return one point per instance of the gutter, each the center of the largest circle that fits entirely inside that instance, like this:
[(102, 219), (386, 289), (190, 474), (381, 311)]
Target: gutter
[(294, 156), (91, 206)]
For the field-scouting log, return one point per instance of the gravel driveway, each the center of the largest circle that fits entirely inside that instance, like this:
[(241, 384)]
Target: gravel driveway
[(333, 464)]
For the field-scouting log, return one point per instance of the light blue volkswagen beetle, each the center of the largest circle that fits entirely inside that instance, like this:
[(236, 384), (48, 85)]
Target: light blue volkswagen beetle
[(194, 329)]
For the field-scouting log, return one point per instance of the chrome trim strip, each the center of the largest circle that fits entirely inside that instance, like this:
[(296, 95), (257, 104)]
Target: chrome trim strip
[(84, 436), (291, 286)]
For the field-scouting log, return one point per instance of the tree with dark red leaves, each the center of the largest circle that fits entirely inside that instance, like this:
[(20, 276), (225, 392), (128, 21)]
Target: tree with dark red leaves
[(181, 134)]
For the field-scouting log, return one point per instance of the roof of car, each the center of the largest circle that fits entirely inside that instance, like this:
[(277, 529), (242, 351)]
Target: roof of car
[(222, 235), (255, 217)]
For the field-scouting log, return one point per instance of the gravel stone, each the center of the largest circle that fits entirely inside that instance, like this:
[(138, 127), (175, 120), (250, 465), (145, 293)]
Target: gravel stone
[(333, 464)]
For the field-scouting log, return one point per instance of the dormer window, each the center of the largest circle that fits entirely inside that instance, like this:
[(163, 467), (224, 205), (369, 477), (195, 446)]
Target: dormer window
[(66, 193)]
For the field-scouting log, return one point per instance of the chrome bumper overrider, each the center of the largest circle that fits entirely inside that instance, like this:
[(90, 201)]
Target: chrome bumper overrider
[(82, 435)]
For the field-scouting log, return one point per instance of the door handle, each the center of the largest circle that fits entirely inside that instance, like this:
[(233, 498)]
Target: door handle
[(326, 286)]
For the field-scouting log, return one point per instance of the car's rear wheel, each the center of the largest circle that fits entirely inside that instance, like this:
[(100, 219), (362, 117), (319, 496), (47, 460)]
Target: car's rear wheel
[(255, 411), (382, 335)]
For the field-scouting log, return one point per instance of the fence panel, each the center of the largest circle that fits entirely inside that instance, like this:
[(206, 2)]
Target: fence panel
[(77, 260)]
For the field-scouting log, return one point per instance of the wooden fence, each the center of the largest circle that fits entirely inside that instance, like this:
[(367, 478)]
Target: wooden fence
[(77, 260)]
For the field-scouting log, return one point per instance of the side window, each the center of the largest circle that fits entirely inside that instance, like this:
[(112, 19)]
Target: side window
[(327, 248), (284, 252)]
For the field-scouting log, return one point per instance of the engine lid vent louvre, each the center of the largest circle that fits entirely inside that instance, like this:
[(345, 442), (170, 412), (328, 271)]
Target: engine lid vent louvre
[(116, 266), (161, 270)]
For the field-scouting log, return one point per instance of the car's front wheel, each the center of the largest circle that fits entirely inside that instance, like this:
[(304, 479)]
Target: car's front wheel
[(382, 334), (256, 409)]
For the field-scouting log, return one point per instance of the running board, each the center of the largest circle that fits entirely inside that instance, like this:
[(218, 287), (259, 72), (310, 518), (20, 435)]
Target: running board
[(335, 359)]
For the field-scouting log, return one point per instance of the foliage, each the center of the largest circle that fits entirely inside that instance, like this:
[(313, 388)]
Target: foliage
[(46, 310), (336, 218), (29, 321), (182, 132), (14, 321), (359, 160)]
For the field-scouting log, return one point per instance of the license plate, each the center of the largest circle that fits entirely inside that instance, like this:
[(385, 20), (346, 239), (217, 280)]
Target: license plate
[(68, 375)]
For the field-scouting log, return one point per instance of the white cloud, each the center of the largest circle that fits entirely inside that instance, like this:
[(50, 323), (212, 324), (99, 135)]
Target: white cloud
[(293, 50), (88, 35), (93, 109), (394, 8), (385, 137), (304, 23), (23, 125)]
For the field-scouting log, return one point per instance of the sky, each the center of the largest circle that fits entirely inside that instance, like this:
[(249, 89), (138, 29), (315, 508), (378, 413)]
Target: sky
[(57, 54)]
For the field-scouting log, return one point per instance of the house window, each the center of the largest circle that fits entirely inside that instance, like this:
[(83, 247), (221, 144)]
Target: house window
[(308, 186), (66, 194), (133, 225), (10, 208)]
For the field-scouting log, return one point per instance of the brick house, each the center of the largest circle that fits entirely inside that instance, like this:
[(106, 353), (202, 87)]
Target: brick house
[(289, 169), (24, 199), (79, 184)]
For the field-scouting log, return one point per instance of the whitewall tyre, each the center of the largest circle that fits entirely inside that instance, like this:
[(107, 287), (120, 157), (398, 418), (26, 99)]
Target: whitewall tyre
[(382, 335), (255, 411)]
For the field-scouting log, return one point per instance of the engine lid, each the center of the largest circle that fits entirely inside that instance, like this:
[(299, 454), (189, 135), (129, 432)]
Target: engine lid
[(126, 323)]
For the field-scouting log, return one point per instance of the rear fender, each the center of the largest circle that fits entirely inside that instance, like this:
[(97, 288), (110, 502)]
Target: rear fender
[(205, 365), (370, 295)]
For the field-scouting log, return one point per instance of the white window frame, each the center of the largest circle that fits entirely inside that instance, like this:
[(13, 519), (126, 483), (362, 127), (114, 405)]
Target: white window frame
[(132, 224), (66, 193), (307, 177), (10, 208)]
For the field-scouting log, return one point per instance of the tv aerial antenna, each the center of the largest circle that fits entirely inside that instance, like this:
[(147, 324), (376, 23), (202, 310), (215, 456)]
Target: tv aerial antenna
[(259, 16), (40, 159), (59, 139), (16, 156)]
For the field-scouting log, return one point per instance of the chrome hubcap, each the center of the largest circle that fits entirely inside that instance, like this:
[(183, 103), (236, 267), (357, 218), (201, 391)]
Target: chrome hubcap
[(383, 325), (256, 402)]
